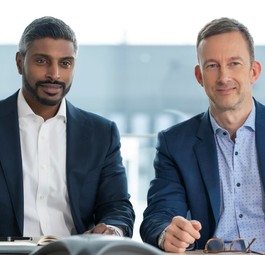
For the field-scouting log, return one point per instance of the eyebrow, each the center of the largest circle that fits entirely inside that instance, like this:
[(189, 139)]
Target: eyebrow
[(229, 59), (49, 56)]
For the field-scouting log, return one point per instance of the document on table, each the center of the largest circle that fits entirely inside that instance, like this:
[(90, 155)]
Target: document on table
[(28, 241), (24, 245)]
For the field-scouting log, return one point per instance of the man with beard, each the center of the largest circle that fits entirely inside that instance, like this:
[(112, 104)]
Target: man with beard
[(210, 169), (61, 170)]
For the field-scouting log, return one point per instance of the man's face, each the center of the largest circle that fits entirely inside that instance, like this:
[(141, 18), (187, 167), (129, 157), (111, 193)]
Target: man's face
[(47, 71), (226, 72)]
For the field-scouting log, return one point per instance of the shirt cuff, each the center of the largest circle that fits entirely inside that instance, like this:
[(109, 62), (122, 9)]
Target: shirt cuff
[(117, 231), (161, 240)]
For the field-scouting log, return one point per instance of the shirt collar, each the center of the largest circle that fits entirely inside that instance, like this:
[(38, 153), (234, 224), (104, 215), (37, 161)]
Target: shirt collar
[(25, 110), (249, 123)]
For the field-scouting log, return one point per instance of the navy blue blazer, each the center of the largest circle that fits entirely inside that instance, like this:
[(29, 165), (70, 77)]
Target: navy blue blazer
[(187, 178), (96, 178)]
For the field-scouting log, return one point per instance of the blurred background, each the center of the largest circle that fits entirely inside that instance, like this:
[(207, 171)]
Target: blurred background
[(135, 65)]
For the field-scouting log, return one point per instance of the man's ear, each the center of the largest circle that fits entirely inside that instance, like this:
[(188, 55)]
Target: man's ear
[(256, 71), (19, 62), (198, 74)]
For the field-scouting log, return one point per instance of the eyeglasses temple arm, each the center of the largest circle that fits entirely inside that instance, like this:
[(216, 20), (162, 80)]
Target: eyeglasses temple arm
[(252, 241)]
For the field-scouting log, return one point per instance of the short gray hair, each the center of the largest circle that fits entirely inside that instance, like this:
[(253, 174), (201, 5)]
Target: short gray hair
[(226, 25)]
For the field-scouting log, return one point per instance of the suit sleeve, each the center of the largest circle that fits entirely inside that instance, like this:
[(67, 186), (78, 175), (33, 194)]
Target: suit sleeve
[(166, 196), (113, 205)]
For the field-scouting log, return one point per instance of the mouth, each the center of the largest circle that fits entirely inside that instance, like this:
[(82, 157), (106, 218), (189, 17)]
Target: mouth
[(226, 91), (51, 89)]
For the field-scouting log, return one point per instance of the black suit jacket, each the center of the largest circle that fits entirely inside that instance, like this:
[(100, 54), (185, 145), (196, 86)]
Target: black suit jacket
[(96, 178), (187, 176)]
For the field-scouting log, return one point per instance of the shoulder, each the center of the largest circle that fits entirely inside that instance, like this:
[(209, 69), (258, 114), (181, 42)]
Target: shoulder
[(260, 116), (81, 114), (184, 134), (259, 106), (81, 118), (8, 104), (189, 125)]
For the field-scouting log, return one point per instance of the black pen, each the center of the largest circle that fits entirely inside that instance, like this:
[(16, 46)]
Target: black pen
[(15, 238)]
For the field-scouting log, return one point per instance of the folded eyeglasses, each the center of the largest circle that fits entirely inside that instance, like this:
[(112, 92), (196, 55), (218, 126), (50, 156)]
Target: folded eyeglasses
[(240, 245)]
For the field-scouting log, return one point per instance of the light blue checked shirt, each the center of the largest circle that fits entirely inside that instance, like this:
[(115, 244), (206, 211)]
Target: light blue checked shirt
[(242, 194)]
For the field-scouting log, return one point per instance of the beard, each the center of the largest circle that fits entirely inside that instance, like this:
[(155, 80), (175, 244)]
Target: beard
[(33, 91)]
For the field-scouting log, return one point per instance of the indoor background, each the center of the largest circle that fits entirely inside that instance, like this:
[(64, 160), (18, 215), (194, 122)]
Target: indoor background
[(135, 65)]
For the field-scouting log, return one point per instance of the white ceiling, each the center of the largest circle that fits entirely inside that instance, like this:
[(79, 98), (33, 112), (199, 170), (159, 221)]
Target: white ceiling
[(131, 21)]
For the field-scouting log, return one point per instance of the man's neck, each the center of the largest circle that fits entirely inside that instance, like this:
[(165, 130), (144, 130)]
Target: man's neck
[(231, 120)]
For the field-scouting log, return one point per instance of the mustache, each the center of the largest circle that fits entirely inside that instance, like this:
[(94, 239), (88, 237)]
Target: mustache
[(39, 83)]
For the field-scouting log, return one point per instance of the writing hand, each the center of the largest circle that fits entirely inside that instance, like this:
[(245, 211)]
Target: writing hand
[(180, 234)]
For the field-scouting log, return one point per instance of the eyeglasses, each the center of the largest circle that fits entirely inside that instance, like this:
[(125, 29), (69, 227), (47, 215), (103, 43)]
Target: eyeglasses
[(241, 245)]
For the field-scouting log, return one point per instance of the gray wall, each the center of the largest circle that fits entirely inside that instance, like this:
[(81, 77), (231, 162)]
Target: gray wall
[(142, 88)]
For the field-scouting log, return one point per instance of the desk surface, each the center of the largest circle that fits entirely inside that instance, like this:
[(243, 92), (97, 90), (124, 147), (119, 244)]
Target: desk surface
[(17, 249), (200, 252)]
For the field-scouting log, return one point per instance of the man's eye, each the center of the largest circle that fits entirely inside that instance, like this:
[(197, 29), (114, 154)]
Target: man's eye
[(66, 64), (211, 66), (235, 64), (41, 60)]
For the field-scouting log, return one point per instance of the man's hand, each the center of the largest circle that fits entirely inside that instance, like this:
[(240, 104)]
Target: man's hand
[(180, 234), (103, 229)]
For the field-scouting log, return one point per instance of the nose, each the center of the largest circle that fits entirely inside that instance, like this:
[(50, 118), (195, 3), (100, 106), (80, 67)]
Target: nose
[(53, 72), (223, 75)]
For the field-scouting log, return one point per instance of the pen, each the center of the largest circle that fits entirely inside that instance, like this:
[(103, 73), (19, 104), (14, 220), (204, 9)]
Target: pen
[(14, 238)]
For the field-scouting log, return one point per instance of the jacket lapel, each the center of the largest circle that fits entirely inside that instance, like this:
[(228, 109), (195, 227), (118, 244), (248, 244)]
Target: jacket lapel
[(206, 154), (260, 139), (78, 156)]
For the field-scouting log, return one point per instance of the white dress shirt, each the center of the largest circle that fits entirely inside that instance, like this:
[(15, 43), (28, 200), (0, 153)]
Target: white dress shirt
[(43, 148)]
